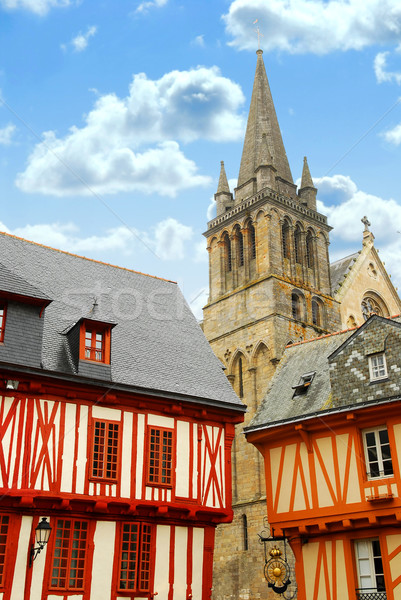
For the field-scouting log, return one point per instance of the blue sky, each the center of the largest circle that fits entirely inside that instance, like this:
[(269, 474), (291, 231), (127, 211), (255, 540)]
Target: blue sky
[(115, 116)]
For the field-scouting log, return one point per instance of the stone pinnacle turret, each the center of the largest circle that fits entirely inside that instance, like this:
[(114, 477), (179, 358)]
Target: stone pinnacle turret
[(307, 191), (223, 196)]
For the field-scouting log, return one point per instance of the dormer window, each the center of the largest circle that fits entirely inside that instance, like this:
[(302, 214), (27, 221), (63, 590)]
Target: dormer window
[(302, 387), (3, 311), (377, 367), (95, 342)]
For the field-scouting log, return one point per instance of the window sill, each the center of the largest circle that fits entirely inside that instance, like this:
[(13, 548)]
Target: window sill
[(379, 380), (380, 498)]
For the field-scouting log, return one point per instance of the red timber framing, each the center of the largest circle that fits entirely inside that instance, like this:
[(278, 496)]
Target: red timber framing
[(320, 491), (76, 454)]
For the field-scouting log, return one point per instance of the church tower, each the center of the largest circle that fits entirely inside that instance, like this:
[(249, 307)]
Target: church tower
[(269, 279)]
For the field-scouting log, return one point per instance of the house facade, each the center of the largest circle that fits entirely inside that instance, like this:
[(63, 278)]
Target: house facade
[(332, 456), (116, 426)]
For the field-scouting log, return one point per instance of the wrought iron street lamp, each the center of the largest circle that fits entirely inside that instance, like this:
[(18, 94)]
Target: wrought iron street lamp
[(42, 534)]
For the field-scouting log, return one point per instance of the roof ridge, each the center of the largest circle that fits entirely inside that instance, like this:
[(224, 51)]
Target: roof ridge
[(345, 257), (320, 337), (85, 257)]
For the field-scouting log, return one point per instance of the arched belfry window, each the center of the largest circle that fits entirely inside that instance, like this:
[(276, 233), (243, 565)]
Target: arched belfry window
[(240, 247), (296, 306), (240, 378), (252, 240), (309, 250), (227, 252), (316, 314), (297, 244), (285, 237)]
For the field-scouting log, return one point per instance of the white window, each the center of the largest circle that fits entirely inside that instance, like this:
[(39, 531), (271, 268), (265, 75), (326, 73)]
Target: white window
[(370, 570), (377, 367), (377, 452)]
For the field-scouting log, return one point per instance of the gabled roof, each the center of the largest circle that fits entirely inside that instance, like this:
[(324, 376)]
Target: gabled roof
[(339, 270), (262, 120), (280, 404), (156, 343)]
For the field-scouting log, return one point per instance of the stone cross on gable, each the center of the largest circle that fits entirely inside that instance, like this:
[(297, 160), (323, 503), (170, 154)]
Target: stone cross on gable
[(366, 222)]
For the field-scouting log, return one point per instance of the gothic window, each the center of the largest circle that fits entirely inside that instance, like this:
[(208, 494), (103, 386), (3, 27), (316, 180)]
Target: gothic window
[(285, 234), (227, 252), (252, 240), (240, 379), (245, 531), (297, 244), (296, 306), (315, 313), (240, 247), (309, 250), (370, 307)]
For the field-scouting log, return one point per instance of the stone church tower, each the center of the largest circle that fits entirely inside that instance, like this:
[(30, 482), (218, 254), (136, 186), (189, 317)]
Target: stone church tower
[(269, 286)]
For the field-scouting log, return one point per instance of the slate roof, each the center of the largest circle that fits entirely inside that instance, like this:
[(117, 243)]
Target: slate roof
[(12, 284), (299, 359), (340, 269), (156, 343)]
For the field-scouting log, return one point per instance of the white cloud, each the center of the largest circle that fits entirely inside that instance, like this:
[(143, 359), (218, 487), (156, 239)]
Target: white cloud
[(381, 72), (316, 26), (199, 41), (170, 238), (393, 136), (40, 7), (81, 41), (144, 6), (6, 134), (167, 239), (113, 151), (345, 205)]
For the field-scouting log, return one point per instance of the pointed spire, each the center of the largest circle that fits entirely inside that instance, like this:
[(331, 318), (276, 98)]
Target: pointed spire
[(223, 196), (265, 157), (223, 186), (307, 191), (262, 119), (306, 180)]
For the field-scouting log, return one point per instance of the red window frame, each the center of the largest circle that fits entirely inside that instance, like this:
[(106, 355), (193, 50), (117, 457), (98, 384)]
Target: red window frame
[(69, 555), (160, 457), (4, 536), (105, 450), (94, 343), (3, 313), (135, 558)]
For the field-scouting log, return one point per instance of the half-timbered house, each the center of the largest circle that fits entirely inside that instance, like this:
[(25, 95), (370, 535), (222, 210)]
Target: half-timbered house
[(329, 430), (116, 424)]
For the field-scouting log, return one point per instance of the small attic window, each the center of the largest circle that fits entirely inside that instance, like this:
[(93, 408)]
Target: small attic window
[(95, 342), (3, 311), (303, 385)]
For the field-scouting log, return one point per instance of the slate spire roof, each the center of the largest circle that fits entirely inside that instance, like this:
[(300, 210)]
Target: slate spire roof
[(262, 119)]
